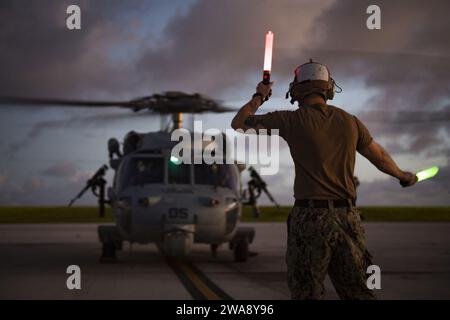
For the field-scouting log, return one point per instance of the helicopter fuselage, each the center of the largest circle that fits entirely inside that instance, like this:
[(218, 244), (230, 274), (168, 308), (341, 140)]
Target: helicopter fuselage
[(175, 205), (147, 213)]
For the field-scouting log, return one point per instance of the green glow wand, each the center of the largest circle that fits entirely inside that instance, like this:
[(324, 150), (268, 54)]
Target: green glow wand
[(424, 174), (427, 173)]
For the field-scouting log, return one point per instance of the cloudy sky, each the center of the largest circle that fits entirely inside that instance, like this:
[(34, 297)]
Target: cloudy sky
[(397, 80)]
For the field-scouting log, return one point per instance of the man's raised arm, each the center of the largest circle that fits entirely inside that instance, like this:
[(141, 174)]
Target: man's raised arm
[(243, 119)]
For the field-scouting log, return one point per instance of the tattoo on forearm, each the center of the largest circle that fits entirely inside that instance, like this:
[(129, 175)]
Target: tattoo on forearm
[(253, 121)]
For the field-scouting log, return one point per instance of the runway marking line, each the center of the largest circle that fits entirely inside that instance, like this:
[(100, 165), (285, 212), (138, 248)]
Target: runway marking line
[(196, 282)]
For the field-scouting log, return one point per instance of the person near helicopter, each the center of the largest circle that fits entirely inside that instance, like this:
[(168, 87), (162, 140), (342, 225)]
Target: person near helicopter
[(325, 234)]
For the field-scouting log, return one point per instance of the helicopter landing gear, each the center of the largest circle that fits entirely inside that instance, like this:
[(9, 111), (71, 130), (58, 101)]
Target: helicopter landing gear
[(111, 242), (214, 248), (241, 252), (240, 244), (178, 243), (108, 253)]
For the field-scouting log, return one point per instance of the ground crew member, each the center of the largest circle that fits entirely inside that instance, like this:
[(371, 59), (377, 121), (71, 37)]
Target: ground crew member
[(325, 234)]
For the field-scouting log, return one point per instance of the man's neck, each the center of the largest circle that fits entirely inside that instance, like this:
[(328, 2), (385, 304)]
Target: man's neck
[(312, 100)]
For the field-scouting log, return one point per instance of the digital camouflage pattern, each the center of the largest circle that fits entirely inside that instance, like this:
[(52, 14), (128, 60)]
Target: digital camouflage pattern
[(322, 241)]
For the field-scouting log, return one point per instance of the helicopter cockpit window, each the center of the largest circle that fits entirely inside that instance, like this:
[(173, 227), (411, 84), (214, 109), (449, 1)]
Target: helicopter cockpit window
[(141, 171), (217, 175)]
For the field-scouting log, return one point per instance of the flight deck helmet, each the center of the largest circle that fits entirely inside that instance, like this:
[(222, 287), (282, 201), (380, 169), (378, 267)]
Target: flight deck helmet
[(311, 77)]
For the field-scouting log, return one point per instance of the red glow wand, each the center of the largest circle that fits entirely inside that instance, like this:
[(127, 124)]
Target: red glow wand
[(268, 57)]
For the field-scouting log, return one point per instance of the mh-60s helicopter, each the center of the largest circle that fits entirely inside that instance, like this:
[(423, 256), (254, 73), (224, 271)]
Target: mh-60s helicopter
[(154, 198)]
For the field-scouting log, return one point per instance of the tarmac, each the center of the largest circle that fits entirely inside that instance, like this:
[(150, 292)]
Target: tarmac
[(414, 258)]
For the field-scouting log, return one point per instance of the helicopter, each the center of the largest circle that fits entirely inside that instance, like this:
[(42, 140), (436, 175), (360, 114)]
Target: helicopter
[(155, 198)]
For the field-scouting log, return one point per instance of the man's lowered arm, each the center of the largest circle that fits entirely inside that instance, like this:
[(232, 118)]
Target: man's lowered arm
[(381, 159)]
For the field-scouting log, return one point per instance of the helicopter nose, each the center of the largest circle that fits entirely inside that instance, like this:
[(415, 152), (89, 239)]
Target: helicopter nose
[(148, 201)]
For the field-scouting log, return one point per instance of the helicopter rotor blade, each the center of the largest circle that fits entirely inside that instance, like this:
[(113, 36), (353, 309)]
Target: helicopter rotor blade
[(166, 103), (60, 102)]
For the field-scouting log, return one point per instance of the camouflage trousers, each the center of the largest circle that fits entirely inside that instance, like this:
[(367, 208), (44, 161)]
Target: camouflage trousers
[(322, 241)]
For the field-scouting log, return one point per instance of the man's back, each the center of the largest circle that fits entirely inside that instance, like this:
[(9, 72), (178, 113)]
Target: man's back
[(323, 236), (323, 140)]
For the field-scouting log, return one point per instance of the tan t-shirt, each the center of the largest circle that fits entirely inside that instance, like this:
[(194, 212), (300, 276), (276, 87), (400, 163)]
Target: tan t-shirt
[(323, 140)]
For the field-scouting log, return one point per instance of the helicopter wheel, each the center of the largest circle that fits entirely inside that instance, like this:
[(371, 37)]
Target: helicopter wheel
[(108, 253), (118, 245), (241, 252), (214, 248)]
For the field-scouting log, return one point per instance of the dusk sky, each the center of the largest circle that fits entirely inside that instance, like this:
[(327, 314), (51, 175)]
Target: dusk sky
[(397, 80)]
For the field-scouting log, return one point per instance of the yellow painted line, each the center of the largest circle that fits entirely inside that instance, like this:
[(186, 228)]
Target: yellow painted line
[(201, 286)]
